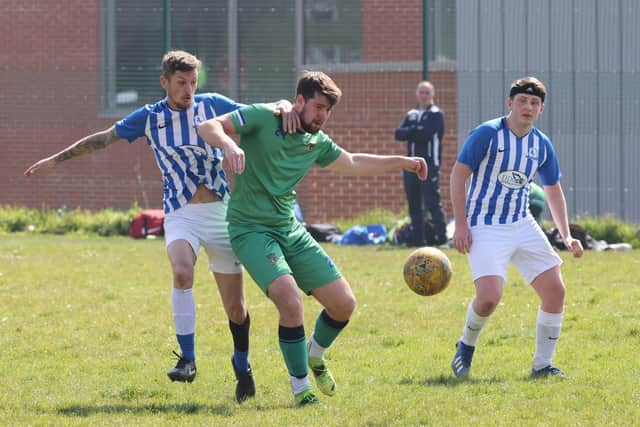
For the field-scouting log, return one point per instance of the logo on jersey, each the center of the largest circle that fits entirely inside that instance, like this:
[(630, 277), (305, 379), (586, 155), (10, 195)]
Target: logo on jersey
[(273, 258), (513, 179), (281, 133), (198, 120), (329, 262), (532, 153)]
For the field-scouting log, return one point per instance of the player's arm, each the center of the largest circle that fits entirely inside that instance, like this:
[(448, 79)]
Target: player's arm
[(361, 164), (215, 132), (558, 207), (462, 235), (85, 145)]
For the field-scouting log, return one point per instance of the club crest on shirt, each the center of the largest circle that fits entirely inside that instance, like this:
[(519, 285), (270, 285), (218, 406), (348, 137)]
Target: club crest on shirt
[(273, 258), (513, 179), (532, 153)]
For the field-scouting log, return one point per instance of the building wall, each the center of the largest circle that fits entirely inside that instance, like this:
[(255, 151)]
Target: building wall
[(586, 53), (50, 98)]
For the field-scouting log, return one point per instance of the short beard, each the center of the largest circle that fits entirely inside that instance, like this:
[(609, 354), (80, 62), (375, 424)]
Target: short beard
[(306, 126)]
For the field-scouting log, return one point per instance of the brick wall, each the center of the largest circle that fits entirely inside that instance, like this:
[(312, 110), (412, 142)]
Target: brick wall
[(373, 104), (50, 98)]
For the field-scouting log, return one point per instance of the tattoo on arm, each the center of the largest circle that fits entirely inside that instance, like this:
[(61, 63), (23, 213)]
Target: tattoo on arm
[(88, 144)]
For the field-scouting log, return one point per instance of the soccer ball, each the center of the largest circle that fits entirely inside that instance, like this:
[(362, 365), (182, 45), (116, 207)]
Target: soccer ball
[(427, 271)]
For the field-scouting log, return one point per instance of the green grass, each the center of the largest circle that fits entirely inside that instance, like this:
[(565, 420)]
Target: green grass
[(86, 336)]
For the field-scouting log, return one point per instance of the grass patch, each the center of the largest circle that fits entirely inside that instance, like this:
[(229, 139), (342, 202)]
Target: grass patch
[(86, 334)]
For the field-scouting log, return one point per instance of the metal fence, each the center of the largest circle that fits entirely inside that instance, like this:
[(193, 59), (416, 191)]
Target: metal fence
[(586, 52)]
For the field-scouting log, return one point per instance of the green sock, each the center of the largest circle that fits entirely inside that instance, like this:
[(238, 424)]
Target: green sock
[(327, 329), (294, 349)]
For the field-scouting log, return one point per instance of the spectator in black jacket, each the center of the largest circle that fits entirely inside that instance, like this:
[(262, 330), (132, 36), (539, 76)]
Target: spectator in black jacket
[(423, 129)]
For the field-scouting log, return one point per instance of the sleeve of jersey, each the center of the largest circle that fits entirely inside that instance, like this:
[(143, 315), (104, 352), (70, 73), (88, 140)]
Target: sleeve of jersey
[(133, 126), (549, 170), (329, 151), (250, 117), (475, 147), (224, 105)]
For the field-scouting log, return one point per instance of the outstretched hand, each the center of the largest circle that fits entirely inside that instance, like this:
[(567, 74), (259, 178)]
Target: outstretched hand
[(290, 118), (418, 166), (44, 164)]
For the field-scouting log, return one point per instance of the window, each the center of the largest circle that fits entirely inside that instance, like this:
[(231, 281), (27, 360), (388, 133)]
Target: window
[(251, 49), (332, 31), (266, 44), (442, 22), (135, 36), (132, 50)]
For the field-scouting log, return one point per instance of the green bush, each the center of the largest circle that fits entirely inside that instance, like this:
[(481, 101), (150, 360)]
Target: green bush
[(107, 222), (611, 230)]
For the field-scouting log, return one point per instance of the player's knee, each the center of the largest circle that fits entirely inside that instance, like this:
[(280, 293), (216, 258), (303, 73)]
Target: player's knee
[(237, 312), (341, 310), (349, 305), (291, 306), (558, 292), (183, 276), (486, 306)]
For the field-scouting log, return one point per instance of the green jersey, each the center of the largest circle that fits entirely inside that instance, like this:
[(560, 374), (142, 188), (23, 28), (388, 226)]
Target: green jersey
[(275, 162)]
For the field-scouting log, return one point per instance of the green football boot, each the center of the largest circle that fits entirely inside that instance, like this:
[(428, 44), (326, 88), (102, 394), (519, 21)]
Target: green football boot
[(306, 397), (324, 379)]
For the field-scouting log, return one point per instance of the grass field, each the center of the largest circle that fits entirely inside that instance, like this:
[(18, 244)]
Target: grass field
[(86, 336)]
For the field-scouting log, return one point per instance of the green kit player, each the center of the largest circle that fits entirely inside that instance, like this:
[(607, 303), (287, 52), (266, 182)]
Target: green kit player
[(279, 254)]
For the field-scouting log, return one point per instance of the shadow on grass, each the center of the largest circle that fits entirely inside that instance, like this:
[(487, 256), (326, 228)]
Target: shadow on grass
[(152, 408), (449, 381), (184, 408)]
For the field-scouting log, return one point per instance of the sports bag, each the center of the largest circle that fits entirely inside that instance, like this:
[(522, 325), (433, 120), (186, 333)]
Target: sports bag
[(147, 223)]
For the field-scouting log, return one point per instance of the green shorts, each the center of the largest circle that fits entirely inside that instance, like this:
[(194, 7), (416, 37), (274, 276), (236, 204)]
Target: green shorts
[(270, 252)]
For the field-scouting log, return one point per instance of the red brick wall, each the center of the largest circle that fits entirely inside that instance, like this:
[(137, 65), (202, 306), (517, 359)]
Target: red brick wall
[(50, 97), (392, 30)]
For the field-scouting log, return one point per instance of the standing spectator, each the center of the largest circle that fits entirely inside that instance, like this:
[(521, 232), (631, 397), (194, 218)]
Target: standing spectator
[(423, 129)]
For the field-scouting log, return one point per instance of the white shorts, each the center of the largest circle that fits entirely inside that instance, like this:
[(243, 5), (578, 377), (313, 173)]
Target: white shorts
[(523, 243), (204, 224)]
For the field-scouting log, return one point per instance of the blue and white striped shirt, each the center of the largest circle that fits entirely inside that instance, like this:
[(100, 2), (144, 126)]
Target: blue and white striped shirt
[(185, 160), (503, 165)]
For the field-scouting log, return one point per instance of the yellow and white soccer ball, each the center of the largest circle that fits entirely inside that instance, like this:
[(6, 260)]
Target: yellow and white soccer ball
[(427, 271)]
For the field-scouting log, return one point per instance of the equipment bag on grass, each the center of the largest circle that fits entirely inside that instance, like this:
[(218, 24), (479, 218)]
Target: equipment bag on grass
[(147, 223)]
